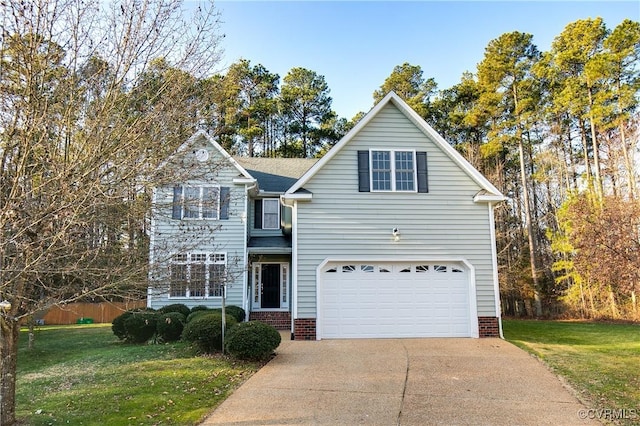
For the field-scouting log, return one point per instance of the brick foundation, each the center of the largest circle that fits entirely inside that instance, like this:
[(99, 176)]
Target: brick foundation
[(488, 327), (304, 329), (280, 320)]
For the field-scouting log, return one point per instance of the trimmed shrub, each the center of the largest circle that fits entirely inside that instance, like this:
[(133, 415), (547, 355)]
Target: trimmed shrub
[(253, 340), (141, 326), (199, 308), (236, 311), (205, 331), (199, 312), (170, 325), (117, 325), (176, 307)]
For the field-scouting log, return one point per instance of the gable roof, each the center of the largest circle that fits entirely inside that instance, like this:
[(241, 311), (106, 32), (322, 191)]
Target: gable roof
[(276, 174), (202, 134), (489, 191)]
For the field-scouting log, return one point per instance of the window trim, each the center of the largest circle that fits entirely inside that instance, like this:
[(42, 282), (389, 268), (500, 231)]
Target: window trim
[(210, 259), (277, 201), (392, 154), (201, 206)]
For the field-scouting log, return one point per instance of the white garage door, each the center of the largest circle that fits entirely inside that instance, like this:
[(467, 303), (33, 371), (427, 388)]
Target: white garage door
[(372, 300)]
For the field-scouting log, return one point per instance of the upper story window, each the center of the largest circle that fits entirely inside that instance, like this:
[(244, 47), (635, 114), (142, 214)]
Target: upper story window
[(200, 202), (267, 213), (392, 171)]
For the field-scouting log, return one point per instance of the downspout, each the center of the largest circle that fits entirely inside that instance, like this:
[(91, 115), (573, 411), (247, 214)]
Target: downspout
[(245, 279), (294, 260), (494, 261), (152, 242)]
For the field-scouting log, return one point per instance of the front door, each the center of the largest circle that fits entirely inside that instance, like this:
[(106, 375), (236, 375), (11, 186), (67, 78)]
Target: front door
[(271, 283)]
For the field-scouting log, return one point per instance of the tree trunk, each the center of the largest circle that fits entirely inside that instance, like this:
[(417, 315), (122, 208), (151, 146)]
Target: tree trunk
[(9, 333), (631, 177), (532, 240), (596, 149)]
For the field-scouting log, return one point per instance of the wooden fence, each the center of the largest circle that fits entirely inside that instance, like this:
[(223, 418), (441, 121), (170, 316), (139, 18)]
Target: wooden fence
[(97, 312)]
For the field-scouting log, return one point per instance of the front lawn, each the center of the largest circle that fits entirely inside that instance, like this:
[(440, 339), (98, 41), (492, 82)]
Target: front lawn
[(601, 361), (83, 375)]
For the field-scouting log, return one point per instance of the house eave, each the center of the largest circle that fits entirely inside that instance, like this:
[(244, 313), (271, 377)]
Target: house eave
[(489, 198)]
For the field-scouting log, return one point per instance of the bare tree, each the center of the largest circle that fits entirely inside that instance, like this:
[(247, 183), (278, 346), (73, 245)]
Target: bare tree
[(81, 132)]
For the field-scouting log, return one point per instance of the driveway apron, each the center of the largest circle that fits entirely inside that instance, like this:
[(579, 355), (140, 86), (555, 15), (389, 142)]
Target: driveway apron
[(401, 382)]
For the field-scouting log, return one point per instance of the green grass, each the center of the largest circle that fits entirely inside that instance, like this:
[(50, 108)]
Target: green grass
[(82, 375), (601, 361)]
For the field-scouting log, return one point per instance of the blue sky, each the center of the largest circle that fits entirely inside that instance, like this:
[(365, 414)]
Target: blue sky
[(355, 45)]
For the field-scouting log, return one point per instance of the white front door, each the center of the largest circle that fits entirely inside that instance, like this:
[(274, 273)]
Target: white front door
[(270, 286)]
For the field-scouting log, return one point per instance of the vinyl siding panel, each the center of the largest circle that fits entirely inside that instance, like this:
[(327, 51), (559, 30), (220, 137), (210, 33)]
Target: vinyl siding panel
[(171, 236), (342, 222)]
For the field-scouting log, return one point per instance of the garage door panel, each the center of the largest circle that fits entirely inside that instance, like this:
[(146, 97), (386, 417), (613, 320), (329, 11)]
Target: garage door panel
[(411, 300)]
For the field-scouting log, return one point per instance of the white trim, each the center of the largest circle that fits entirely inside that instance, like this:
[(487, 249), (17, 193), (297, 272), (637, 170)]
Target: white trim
[(201, 205), (473, 298), (494, 265), (245, 260), (306, 196), (294, 264), (392, 159), (207, 263), (391, 97), (152, 244), (485, 198), (207, 137), (277, 201), (256, 274)]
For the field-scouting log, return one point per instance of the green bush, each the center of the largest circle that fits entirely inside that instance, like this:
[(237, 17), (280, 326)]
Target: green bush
[(199, 308), (195, 314), (117, 325), (170, 325), (253, 340), (205, 331), (236, 311), (176, 307), (141, 326)]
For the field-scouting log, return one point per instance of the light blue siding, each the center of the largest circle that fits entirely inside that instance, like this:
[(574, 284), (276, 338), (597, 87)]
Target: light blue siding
[(171, 236), (342, 222)]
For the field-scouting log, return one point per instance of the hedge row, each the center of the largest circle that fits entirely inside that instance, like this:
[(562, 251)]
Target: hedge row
[(201, 327)]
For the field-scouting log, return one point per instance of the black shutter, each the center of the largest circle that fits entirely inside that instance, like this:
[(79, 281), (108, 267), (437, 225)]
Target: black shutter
[(177, 203), (257, 213), (421, 168), (224, 202), (363, 171)]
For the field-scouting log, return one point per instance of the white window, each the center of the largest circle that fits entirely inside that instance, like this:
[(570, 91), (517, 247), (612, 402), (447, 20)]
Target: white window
[(197, 275), (393, 171), (270, 214), (200, 202)]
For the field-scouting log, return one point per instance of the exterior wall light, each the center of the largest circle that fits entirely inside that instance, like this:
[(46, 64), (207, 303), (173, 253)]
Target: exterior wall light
[(396, 234)]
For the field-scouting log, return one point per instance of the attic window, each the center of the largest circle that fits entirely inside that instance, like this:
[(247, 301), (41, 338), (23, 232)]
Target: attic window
[(392, 171)]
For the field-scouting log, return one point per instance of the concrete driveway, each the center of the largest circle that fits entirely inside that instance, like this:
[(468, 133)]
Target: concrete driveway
[(401, 382)]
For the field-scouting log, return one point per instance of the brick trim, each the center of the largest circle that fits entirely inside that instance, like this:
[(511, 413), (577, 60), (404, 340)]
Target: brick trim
[(280, 320), (304, 329), (488, 327)]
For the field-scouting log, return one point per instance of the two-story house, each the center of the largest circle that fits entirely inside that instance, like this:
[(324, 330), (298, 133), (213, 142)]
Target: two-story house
[(390, 234)]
